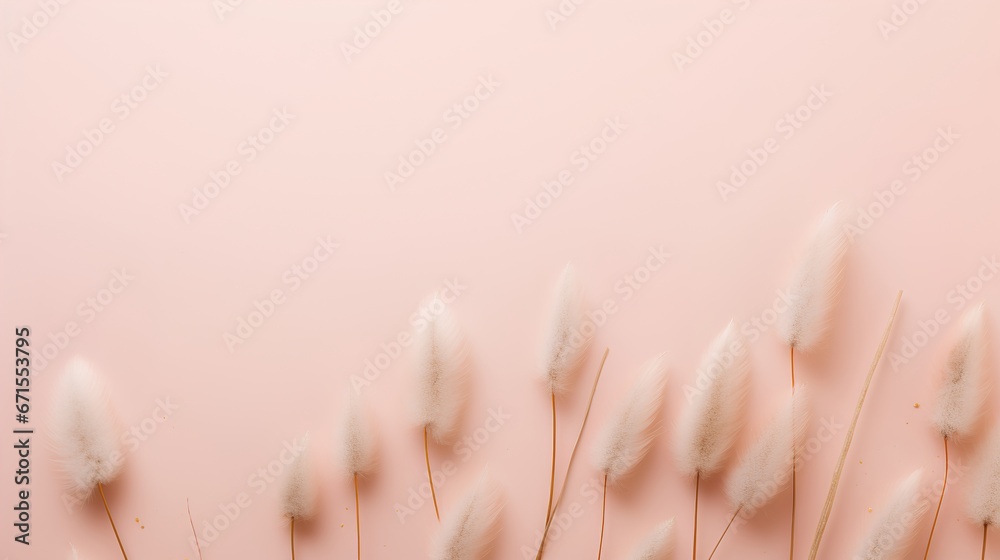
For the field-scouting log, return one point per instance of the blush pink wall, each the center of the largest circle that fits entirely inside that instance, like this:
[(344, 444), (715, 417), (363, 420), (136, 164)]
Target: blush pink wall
[(543, 91)]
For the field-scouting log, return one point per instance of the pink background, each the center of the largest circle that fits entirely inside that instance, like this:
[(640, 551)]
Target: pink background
[(323, 175)]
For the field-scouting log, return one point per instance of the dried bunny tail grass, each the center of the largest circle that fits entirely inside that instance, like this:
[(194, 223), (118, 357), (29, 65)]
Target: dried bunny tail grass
[(659, 545), (565, 346), (85, 430), (709, 426), (629, 435), (299, 493), (893, 531), (358, 444), (766, 469), (815, 284), (473, 525), (964, 388), (984, 494), (442, 375)]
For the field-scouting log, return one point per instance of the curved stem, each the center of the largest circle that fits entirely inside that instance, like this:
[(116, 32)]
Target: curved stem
[(795, 460), (430, 477), (552, 475), (292, 533), (737, 512), (694, 540), (100, 488), (357, 512), (604, 510), (193, 530), (937, 512), (985, 528), (831, 494), (572, 456)]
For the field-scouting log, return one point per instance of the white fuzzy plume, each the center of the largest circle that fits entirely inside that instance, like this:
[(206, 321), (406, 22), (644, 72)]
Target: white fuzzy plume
[(659, 545), (468, 531), (441, 374), (358, 439), (894, 528), (963, 391), (565, 345), (984, 495), (815, 284), (709, 426), (85, 429), (629, 435), (766, 469), (72, 554), (299, 493)]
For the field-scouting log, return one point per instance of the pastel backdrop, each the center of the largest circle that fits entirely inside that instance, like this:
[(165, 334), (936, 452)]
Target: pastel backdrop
[(709, 136)]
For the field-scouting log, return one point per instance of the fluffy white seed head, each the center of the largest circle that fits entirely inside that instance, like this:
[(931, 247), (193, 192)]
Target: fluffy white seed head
[(815, 284), (629, 435), (659, 545), (358, 443), (984, 490), (961, 396), (442, 373), (893, 530), (765, 470), (85, 429), (299, 493), (468, 531), (709, 426), (565, 344)]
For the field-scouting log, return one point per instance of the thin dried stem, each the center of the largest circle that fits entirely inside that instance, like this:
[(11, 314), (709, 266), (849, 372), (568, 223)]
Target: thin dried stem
[(835, 483), (737, 512), (572, 456), (604, 509), (193, 530), (937, 512), (100, 488), (795, 459), (292, 533), (430, 477), (694, 539), (552, 476), (985, 529), (357, 512)]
